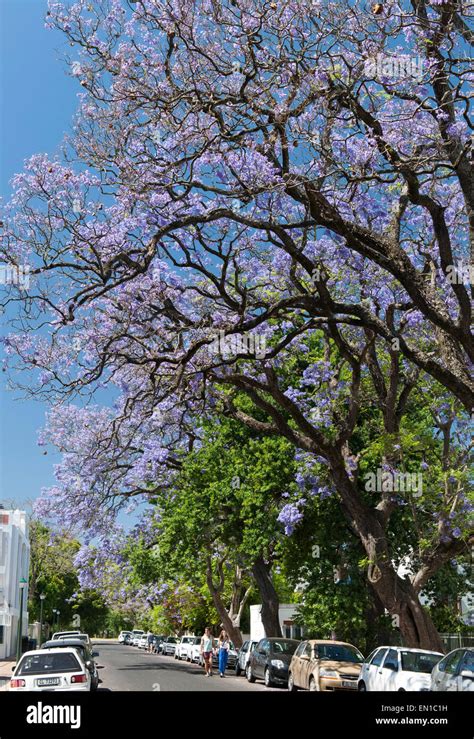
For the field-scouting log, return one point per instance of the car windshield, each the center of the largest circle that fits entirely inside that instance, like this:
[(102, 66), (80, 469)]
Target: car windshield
[(172, 640), (339, 653), (419, 662), (40, 664), (197, 640), (283, 647)]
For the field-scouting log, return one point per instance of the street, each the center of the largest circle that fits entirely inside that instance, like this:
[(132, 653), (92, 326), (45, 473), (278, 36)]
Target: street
[(129, 668)]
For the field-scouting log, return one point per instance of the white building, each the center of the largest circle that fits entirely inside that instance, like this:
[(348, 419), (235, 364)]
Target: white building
[(286, 615), (14, 566)]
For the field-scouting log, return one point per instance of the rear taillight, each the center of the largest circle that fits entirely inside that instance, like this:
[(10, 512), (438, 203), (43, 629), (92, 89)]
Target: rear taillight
[(79, 679), (17, 683)]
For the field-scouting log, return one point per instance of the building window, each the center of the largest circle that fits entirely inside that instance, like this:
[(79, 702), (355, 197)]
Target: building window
[(4, 518)]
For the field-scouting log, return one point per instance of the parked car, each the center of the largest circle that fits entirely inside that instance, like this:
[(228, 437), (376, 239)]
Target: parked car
[(194, 651), (455, 672), (183, 645), (83, 637), (82, 648), (243, 656), (61, 634), (143, 642), (158, 643), (136, 635), (51, 669), (270, 661), (128, 639), (398, 668), (122, 636), (169, 645), (320, 664)]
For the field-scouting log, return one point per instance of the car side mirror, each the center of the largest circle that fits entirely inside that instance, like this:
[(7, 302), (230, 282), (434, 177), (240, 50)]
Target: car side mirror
[(95, 654), (262, 651), (13, 668), (469, 674), (305, 657)]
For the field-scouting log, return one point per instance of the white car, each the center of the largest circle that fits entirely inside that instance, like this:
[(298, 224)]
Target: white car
[(455, 672), (51, 669), (194, 651), (397, 668), (184, 645), (136, 636), (122, 635), (65, 634), (169, 645), (143, 642)]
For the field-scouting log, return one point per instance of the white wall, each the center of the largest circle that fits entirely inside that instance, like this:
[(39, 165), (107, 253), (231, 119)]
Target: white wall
[(14, 565)]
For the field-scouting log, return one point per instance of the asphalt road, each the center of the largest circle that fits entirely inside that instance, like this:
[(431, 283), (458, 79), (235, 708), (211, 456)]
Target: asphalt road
[(129, 668)]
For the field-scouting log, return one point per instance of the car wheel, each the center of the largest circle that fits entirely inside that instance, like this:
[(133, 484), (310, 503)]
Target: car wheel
[(291, 683), (401, 690), (267, 678), (249, 673), (238, 670), (312, 684), (362, 688)]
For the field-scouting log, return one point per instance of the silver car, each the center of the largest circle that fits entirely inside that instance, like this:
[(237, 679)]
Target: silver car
[(243, 656), (455, 672)]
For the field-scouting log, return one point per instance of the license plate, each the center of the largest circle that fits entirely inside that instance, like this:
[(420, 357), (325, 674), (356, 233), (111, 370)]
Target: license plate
[(42, 682), (349, 684)]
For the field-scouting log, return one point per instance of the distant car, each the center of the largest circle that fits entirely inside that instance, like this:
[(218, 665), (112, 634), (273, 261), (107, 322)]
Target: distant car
[(136, 635), (398, 668), (128, 639), (270, 661), (194, 651), (122, 636), (455, 672), (86, 654), (158, 643), (169, 645), (183, 645), (243, 656), (83, 637), (61, 634), (51, 670), (143, 642), (320, 664)]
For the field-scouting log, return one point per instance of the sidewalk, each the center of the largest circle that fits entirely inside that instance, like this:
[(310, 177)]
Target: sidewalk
[(5, 673)]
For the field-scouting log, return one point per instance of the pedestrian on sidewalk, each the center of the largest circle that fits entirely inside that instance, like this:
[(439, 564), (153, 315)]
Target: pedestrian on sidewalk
[(207, 645), (223, 646)]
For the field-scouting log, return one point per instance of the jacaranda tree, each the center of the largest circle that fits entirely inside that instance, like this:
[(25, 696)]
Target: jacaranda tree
[(248, 181)]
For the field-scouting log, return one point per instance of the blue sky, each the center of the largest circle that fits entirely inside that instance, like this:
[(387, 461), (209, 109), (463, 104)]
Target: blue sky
[(37, 103)]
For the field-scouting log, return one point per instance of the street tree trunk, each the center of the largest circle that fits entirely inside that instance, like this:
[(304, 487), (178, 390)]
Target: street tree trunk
[(397, 594), (216, 591), (270, 601)]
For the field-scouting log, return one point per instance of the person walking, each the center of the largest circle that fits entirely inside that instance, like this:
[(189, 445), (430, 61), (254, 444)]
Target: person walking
[(149, 639), (223, 646), (207, 645)]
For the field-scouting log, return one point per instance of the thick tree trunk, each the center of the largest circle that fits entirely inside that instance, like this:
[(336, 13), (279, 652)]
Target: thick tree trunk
[(397, 594), (269, 596), (226, 619)]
